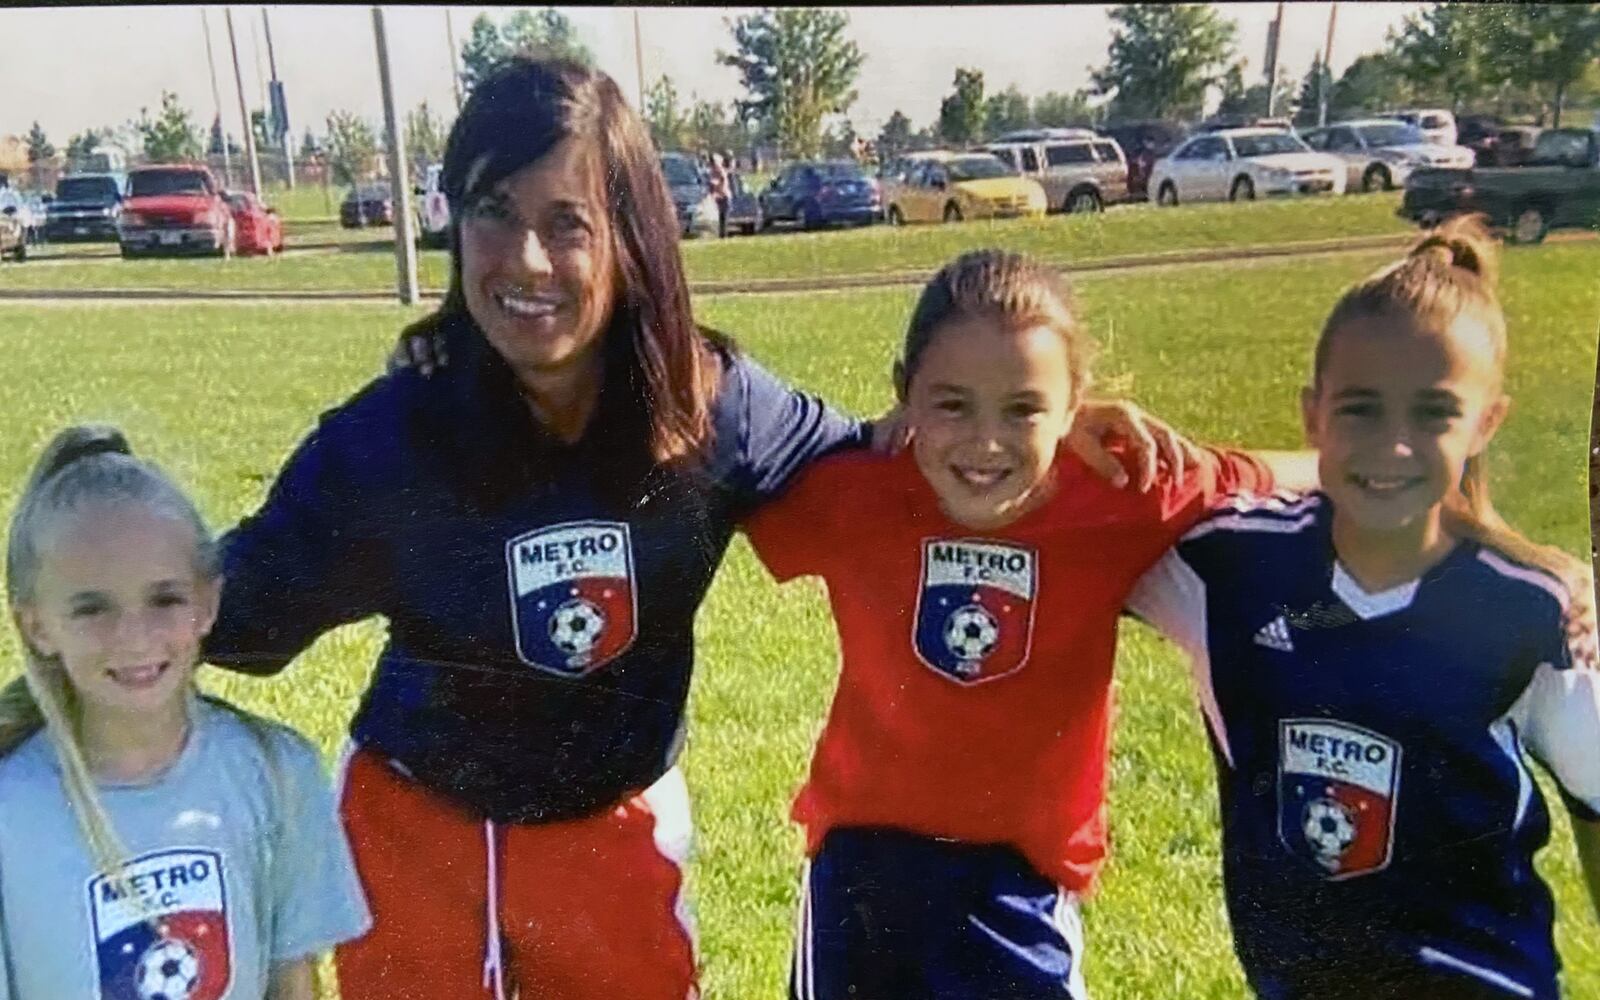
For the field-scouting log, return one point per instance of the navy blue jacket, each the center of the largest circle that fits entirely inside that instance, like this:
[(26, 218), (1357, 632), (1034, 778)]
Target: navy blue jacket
[(540, 609)]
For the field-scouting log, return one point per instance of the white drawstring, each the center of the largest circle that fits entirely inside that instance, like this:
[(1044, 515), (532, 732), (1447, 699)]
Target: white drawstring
[(492, 968)]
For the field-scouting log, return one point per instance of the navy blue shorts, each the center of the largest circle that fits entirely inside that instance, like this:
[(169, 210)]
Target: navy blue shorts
[(889, 915)]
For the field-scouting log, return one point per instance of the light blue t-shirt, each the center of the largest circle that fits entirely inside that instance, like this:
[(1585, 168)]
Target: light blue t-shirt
[(238, 858)]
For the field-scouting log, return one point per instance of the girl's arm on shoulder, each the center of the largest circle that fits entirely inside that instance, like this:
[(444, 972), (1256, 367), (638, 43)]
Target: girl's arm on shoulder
[(1587, 835), (295, 980), (1153, 442)]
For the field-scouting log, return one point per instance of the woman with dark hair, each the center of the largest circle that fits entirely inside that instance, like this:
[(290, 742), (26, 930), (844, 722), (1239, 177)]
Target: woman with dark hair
[(538, 521)]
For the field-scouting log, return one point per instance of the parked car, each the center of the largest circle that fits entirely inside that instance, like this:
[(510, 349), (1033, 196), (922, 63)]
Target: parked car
[(13, 241), (28, 210), (85, 208), (822, 192), (691, 195), (1479, 133), (1380, 153), (256, 225), (1435, 124), (1513, 145), (949, 186), (1078, 170), (1558, 187), (744, 207), (175, 208), (1242, 164), (367, 205), (433, 210)]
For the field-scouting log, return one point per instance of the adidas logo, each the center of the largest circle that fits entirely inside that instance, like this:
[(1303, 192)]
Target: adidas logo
[(1275, 635)]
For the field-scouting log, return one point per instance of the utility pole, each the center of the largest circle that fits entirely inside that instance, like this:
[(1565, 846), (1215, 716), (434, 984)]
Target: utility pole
[(455, 69), (216, 100), (244, 113), (1274, 34), (1327, 66), (638, 57), (277, 104), (405, 251)]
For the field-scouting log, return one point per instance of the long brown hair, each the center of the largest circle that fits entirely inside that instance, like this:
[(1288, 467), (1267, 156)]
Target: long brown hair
[(1449, 273), (661, 378)]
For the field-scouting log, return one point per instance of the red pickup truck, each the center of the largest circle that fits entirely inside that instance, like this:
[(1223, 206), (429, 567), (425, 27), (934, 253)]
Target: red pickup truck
[(175, 208)]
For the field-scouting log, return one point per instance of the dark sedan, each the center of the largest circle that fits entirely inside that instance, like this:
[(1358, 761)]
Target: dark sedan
[(822, 193), (367, 205), (86, 207)]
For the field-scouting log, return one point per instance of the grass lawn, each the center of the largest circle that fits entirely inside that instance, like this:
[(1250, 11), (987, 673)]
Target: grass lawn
[(220, 394), (1140, 229)]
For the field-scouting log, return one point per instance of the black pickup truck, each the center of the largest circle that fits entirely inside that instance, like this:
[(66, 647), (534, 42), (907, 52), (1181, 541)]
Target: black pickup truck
[(1558, 187)]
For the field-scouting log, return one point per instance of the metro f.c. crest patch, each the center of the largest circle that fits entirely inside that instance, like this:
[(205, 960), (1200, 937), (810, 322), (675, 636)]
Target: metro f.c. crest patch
[(1338, 791), (163, 933), (573, 601), (974, 619)]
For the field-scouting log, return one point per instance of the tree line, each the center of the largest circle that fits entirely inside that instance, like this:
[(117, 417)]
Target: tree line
[(798, 69)]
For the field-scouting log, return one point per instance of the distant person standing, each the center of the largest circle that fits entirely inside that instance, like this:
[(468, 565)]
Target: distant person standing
[(719, 190)]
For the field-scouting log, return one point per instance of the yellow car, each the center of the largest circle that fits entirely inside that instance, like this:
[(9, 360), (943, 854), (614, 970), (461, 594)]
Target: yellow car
[(949, 186)]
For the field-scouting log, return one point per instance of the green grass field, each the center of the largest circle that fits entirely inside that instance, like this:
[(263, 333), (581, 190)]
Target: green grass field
[(1140, 230), (221, 393)]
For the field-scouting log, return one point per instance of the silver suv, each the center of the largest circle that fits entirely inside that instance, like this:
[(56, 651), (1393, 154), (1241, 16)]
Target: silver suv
[(1080, 170)]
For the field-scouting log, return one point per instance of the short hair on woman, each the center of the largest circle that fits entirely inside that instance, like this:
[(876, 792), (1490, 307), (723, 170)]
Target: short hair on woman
[(658, 371)]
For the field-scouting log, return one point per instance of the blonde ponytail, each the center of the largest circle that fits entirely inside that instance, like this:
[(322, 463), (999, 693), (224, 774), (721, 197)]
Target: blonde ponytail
[(80, 466)]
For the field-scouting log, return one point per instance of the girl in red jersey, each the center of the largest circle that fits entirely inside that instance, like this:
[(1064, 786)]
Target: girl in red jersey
[(955, 808)]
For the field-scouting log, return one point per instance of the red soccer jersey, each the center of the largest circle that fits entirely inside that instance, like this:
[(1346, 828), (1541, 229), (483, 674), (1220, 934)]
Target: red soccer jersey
[(975, 693)]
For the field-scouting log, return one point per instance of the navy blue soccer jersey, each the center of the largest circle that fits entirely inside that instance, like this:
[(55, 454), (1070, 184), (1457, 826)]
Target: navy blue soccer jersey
[(1379, 816), (540, 609)]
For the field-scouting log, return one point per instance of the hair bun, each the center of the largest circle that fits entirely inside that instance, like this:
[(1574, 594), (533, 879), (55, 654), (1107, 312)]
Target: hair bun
[(81, 442), (1463, 242)]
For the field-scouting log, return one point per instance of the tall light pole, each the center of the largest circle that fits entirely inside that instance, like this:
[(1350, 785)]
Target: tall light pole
[(638, 57), (244, 113), (216, 100), (1326, 83), (1274, 35), (455, 70), (278, 104), (405, 251)]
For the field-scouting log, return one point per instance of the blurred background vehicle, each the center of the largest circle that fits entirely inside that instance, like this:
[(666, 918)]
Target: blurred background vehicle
[(256, 226), (86, 207), (433, 210), (950, 186), (1143, 143), (744, 208), (690, 188), (1380, 153), (369, 204), (816, 193), (175, 208), (1079, 170), (1435, 124), (1241, 164)]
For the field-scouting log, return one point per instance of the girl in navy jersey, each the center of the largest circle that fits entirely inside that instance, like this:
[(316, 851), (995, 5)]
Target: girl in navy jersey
[(1377, 661)]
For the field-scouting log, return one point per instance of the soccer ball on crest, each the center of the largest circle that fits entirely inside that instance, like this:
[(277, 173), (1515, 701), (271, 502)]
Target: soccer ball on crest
[(168, 970), (971, 633), (1329, 829), (575, 627)]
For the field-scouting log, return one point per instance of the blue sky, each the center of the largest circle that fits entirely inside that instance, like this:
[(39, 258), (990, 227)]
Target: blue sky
[(87, 67)]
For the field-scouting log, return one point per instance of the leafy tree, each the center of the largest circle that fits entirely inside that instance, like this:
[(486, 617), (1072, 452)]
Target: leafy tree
[(1163, 58), (1372, 82), (309, 146), (547, 32), (711, 127), (1007, 111), (352, 146), (961, 112), (895, 136), (1446, 50), (425, 136), (796, 65), (1546, 48), (1057, 110), (171, 136), (664, 114), (1317, 85), (39, 147), (1235, 92), (82, 144), (261, 129)]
